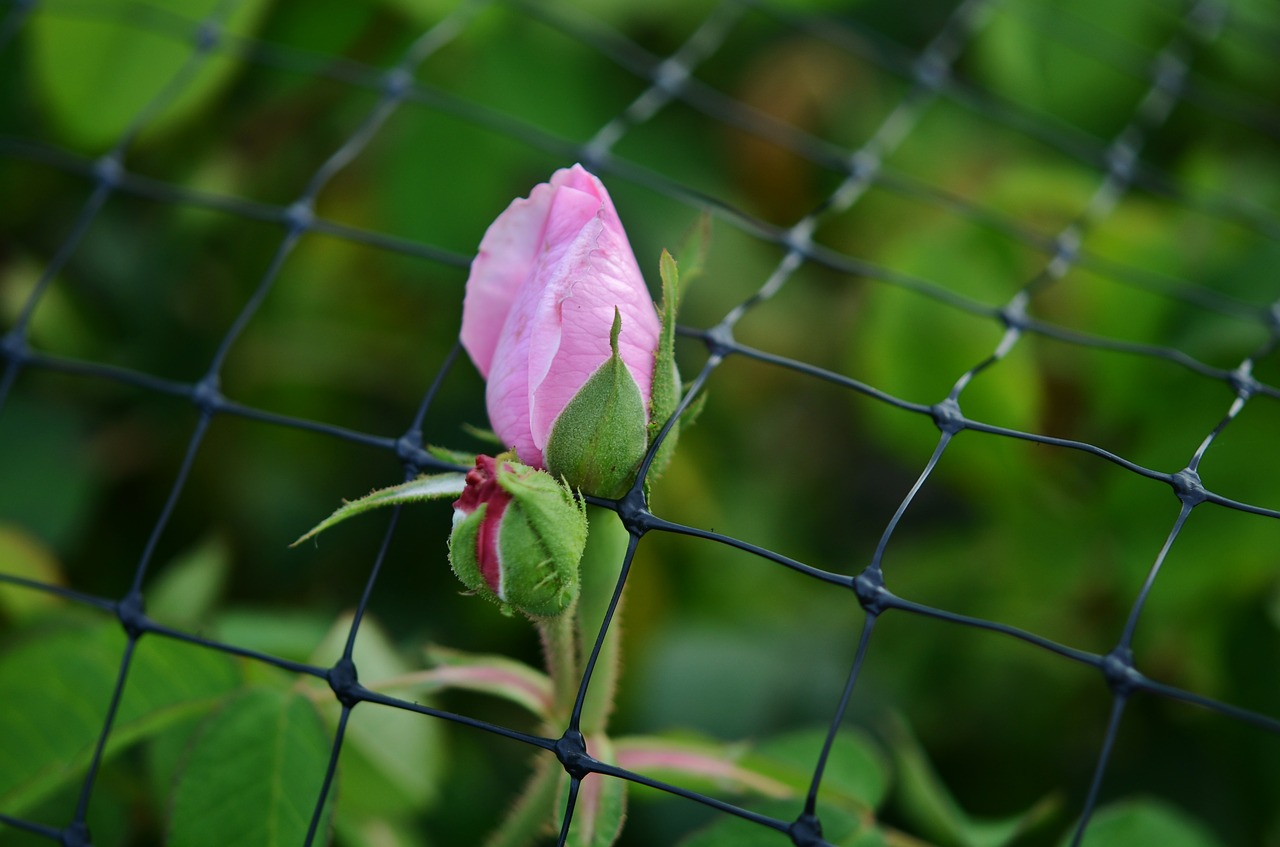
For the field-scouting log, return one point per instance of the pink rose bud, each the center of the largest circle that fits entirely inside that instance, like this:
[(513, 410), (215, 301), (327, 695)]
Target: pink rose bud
[(518, 536), (558, 319)]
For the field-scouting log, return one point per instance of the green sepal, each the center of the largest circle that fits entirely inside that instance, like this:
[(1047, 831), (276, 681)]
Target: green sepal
[(432, 487), (692, 255), (546, 526), (598, 440), (666, 378), (462, 556)]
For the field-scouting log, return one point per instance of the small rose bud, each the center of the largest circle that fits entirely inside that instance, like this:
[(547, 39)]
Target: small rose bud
[(518, 536)]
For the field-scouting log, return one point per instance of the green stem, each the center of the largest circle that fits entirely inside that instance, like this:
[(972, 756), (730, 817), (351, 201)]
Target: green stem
[(560, 649), (601, 564)]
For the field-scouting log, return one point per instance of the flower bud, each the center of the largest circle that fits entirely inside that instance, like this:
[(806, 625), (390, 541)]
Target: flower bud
[(556, 316), (518, 536)]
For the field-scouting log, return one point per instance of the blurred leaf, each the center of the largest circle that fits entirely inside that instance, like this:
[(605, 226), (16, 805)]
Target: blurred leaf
[(287, 633), (1039, 54), (854, 783), (23, 555), (1144, 823), (254, 774), (377, 832), (857, 774), (838, 827), (423, 12), (392, 759), (49, 483), (100, 72), (916, 348), (57, 685), (929, 805), (188, 589)]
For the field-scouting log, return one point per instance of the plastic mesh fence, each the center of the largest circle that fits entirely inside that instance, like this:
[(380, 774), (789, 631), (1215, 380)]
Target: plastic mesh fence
[(962, 330)]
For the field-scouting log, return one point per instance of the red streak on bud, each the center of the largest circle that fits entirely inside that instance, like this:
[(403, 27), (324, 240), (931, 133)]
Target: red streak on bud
[(482, 488)]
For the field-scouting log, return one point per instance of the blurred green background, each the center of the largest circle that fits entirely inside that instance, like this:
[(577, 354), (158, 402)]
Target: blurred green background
[(718, 643)]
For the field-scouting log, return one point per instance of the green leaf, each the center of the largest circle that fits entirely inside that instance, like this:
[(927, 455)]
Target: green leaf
[(433, 487), (254, 774), (57, 686), (25, 556), (188, 589), (1144, 823), (705, 766), (489, 674), (599, 438), (392, 760), (927, 802), (98, 73)]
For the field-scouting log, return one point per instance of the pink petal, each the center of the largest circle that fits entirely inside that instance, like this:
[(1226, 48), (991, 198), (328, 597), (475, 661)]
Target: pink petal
[(507, 255), (571, 335)]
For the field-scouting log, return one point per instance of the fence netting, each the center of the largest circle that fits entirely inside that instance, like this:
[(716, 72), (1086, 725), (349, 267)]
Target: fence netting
[(975, 533)]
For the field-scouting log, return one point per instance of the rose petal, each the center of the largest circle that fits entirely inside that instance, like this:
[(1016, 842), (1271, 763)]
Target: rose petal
[(599, 273), (507, 255)]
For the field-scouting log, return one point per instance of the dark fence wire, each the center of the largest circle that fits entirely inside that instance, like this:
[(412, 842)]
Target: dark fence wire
[(930, 76)]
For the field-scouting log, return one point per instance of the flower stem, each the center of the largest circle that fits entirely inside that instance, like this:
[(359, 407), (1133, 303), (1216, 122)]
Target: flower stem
[(606, 549), (560, 649)]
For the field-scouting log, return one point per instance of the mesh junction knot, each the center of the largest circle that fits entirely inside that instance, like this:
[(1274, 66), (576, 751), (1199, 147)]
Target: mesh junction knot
[(1121, 157), (397, 83), (108, 170), (299, 215), (634, 512), (76, 835), (947, 416), (868, 587), (13, 347), (806, 831), (1122, 677), (1242, 380), (1187, 485), (208, 34), (1014, 313), (206, 395), (345, 682), (931, 71), (409, 450), (571, 750), (132, 615), (720, 340)]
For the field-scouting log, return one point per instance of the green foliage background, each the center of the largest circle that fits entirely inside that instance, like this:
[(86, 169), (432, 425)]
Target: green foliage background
[(717, 643)]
